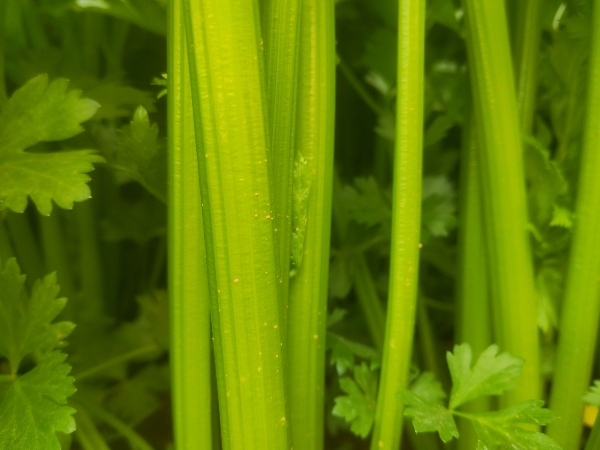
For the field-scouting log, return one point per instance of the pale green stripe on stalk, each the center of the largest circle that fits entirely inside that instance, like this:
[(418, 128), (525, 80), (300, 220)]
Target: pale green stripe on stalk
[(190, 353), (309, 287), (281, 38), (230, 117), (528, 33), (503, 188), (406, 224), (581, 304)]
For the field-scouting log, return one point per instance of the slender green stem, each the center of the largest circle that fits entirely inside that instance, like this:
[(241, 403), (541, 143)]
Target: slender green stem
[(6, 250), (581, 304), (87, 434), (230, 123), (593, 442), (406, 225), (54, 246), (360, 88), (473, 318), (281, 34), (127, 356), (428, 348), (309, 287), (3, 9), (190, 352), (503, 189), (135, 440), (92, 281), (25, 246), (527, 50), (368, 299)]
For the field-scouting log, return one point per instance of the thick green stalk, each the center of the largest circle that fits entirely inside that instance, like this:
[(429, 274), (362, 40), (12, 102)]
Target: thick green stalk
[(189, 300), (503, 189), (226, 72), (473, 318), (581, 304), (368, 299), (406, 225), (190, 320), (526, 58), (281, 35), (309, 287)]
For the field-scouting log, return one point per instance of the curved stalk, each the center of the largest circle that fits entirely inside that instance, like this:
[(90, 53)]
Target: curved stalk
[(581, 305), (406, 224), (309, 287), (503, 189), (227, 94), (189, 302)]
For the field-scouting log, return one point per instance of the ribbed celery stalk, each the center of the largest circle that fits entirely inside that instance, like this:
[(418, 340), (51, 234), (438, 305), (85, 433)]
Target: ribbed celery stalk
[(473, 319), (593, 442), (581, 305), (281, 36), (309, 287), (190, 352), (406, 225), (223, 38), (503, 189)]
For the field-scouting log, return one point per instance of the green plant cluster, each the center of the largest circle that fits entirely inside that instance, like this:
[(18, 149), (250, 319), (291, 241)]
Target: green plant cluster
[(277, 224)]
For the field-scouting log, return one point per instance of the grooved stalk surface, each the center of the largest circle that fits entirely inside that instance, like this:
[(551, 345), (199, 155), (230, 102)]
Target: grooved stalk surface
[(188, 284), (503, 188), (227, 93), (309, 288), (406, 223), (581, 305)]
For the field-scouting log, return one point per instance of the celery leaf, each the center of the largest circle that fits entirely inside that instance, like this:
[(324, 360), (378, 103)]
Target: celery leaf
[(424, 404), (35, 406), (504, 428), (358, 407), (492, 374), (43, 112), (26, 324), (592, 397)]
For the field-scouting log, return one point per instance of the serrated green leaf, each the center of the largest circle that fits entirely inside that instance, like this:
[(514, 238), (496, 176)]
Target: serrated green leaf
[(561, 217), (492, 374), (34, 407), (358, 407), (592, 397), (438, 214), (25, 324), (423, 402), (344, 351), (140, 155), (300, 193), (365, 202), (505, 428), (43, 112)]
